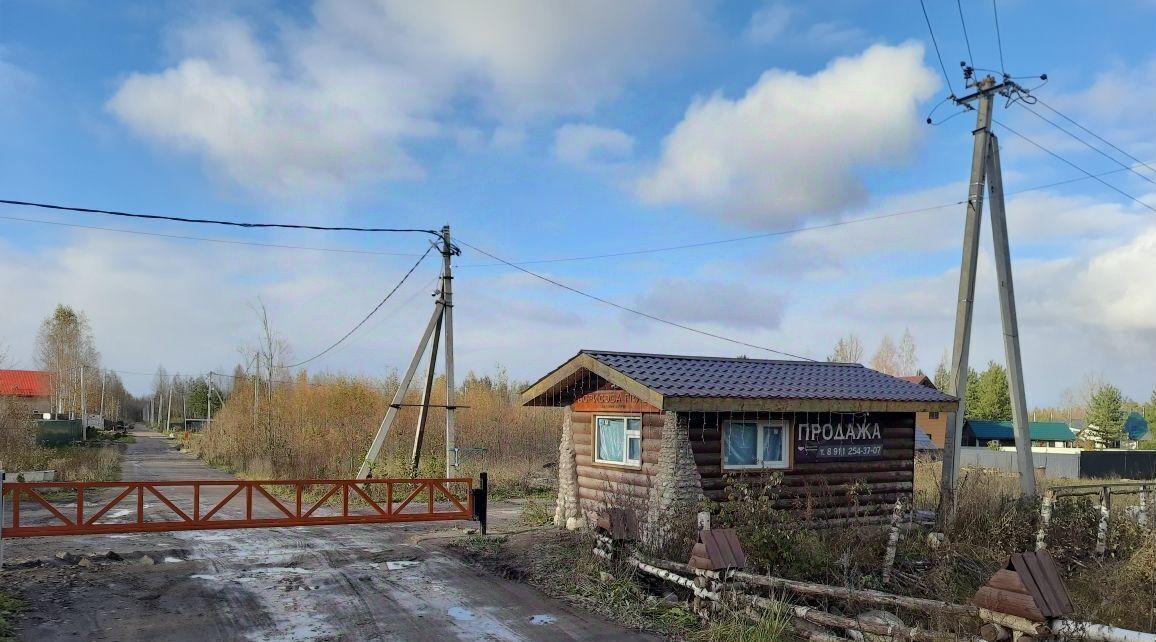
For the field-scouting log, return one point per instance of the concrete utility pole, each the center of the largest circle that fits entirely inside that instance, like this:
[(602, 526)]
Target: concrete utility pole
[(169, 414), (442, 317), (209, 396), (984, 168), (83, 404), (103, 381)]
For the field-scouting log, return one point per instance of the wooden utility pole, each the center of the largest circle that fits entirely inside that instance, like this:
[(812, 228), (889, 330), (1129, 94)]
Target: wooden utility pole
[(984, 166), (442, 318)]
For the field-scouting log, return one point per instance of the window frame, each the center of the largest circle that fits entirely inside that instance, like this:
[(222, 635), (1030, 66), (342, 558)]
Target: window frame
[(934, 414), (760, 463), (627, 435)]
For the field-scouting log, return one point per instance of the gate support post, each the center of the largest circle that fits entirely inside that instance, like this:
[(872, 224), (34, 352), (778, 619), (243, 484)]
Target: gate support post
[(481, 493)]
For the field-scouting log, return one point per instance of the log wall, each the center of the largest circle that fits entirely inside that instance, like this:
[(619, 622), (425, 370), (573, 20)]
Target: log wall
[(822, 489)]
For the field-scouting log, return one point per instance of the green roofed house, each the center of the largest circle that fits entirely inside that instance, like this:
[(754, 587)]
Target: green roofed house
[(979, 432)]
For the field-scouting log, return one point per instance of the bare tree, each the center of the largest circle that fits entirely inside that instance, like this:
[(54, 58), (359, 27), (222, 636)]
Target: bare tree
[(65, 346), (908, 362), (886, 357), (848, 349)]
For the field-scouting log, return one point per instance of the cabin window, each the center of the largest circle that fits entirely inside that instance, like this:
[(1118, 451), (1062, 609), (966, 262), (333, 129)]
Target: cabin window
[(755, 444), (933, 415), (618, 440)]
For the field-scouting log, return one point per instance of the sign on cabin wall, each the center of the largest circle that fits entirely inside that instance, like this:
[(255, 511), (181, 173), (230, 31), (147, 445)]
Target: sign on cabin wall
[(611, 401), (854, 440)]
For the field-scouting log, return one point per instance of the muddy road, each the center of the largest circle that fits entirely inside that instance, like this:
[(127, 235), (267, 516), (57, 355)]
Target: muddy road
[(360, 582)]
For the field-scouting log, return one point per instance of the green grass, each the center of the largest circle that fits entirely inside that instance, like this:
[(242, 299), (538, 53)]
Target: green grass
[(9, 605)]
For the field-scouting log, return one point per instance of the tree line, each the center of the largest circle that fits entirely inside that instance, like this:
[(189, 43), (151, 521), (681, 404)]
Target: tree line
[(1100, 404)]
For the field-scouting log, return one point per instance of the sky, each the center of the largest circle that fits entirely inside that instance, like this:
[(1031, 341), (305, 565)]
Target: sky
[(565, 130)]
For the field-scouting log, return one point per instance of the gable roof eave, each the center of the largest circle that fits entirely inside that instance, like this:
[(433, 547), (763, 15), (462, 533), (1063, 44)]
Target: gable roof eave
[(533, 395)]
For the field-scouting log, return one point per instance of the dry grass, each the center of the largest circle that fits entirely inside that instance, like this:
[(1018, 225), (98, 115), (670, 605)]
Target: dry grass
[(321, 428), (19, 451)]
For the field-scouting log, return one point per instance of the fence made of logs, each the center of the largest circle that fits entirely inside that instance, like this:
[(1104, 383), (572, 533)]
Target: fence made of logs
[(1024, 601)]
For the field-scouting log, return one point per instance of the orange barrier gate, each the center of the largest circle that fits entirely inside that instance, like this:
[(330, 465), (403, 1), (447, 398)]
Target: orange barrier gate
[(85, 508)]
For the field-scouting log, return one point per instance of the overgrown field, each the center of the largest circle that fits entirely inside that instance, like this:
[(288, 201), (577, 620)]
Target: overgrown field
[(18, 451), (321, 427)]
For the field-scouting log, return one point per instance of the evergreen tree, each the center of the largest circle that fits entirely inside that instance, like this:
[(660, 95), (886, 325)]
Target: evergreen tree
[(1106, 414), (987, 394), (942, 379)]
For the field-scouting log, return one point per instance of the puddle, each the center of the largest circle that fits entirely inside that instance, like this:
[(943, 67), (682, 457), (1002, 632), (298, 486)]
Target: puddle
[(460, 614), (397, 566), (173, 560), (543, 619)]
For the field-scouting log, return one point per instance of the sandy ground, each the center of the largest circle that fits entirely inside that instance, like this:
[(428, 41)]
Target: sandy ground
[(364, 582)]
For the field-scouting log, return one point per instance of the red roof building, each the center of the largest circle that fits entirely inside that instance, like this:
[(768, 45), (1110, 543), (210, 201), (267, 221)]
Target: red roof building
[(25, 383)]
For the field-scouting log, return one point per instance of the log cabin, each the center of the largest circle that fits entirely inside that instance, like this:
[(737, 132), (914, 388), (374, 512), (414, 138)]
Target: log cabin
[(662, 433)]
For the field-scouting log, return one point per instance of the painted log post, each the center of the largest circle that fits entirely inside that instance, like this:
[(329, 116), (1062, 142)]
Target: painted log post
[(892, 540), (817, 616), (677, 487), (866, 596), (1045, 519), (567, 512), (1102, 529)]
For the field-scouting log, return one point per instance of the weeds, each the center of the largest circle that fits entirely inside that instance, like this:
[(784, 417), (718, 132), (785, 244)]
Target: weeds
[(536, 513), (320, 427), (9, 605)]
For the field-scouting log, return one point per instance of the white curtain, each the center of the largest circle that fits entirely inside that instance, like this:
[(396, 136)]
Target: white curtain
[(740, 444), (772, 443), (611, 439)]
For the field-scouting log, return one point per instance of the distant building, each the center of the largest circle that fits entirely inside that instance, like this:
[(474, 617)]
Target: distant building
[(979, 432), (31, 390), (933, 423)]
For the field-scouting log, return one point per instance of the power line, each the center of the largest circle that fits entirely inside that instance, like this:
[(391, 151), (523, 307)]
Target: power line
[(998, 37), (1070, 163), (1097, 136), (936, 45), (796, 230), (1087, 144), (970, 58), (201, 238), (632, 310), (181, 219), (371, 312)]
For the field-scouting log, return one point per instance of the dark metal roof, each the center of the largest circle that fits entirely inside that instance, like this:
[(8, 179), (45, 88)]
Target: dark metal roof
[(679, 376)]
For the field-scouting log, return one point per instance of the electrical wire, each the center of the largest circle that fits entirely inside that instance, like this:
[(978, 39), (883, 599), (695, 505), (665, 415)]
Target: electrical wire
[(1070, 163), (367, 317), (935, 44), (966, 40), (632, 310), (205, 239), (1096, 136), (1087, 144), (998, 37), (807, 228), (181, 219)]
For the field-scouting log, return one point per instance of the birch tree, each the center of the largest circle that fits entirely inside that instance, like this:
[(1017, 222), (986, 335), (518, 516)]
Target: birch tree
[(65, 346)]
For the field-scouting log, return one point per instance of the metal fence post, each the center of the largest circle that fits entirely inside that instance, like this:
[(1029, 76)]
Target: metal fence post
[(481, 494)]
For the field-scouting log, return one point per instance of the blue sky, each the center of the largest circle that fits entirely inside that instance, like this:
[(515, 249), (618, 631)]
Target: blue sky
[(552, 130)]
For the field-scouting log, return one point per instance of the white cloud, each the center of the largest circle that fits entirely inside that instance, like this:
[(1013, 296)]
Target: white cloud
[(730, 304), (580, 144), (769, 23), (336, 102), (792, 146)]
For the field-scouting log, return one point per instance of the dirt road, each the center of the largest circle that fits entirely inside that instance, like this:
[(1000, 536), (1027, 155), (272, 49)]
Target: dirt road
[(364, 582)]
